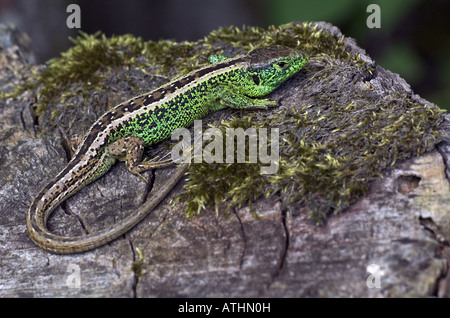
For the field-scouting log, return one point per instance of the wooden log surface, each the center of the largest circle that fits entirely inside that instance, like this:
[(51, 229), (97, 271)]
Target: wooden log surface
[(392, 242)]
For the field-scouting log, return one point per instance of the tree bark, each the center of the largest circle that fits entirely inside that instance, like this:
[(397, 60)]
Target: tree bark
[(393, 242)]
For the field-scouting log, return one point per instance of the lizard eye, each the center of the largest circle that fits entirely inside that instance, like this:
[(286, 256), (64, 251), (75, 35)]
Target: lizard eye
[(281, 64)]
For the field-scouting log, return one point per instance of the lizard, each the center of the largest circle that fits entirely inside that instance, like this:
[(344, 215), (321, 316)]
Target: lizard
[(125, 130)]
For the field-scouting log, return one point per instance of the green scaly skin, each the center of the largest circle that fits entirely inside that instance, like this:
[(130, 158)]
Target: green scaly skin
[(124, 131)]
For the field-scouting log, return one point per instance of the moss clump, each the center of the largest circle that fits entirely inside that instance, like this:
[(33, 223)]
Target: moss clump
[(137, 265), (85, 62), (234, 183), (328, 155), (334, 139), (332, 153)]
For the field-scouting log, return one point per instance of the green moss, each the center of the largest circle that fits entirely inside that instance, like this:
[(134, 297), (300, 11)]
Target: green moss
[(332, 142), (234, 183), (137, 265), (85, 62), (329, 155)]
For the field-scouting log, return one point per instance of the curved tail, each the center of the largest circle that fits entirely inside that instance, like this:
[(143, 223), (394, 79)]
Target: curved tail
[(39, 233)]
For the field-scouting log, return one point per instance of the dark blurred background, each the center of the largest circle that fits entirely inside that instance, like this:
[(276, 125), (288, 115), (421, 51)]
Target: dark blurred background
[(414, 38)]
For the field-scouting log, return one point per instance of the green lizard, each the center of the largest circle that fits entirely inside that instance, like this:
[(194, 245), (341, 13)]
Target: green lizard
[(124, 131)]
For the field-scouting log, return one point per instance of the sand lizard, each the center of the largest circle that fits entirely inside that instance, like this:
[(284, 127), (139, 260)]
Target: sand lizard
[(123, 132)]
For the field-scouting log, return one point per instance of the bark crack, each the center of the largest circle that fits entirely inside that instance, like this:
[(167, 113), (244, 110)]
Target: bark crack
[(286, 244), (244, 240), (444, 158)]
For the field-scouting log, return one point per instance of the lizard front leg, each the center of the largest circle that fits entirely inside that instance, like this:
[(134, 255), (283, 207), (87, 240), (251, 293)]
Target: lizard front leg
[(228, 97)]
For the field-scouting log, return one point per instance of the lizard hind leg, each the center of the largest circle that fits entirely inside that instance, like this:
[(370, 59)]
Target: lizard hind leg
[(131, 149)]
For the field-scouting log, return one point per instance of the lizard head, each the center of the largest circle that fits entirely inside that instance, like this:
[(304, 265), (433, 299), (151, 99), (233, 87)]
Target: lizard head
[(269, 67)]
